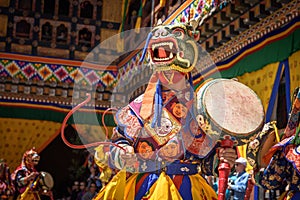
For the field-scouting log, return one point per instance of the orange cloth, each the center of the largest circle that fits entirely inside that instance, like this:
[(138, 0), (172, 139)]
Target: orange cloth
[(147, 105)]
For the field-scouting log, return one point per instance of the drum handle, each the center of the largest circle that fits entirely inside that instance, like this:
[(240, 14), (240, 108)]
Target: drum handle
[(224, 170), (86, 145)]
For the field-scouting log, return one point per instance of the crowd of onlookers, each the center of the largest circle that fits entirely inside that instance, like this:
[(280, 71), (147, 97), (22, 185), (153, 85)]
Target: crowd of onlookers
[(85, 190)]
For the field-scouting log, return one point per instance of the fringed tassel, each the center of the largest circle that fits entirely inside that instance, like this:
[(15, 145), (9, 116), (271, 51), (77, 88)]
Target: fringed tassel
[(157, 106), (145, 47), (120, 42), (139, 18)]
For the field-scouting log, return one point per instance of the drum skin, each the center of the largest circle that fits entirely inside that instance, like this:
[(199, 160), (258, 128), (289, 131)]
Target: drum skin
[(46, 181), (231, 108)]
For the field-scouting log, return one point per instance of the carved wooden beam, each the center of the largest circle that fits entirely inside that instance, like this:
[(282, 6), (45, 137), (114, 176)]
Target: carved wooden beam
[(250, 19), (231, 11), (241, 6), (222, 18), (272, 5), (213, 24), (230, 31), (251, 2), (260, 11)]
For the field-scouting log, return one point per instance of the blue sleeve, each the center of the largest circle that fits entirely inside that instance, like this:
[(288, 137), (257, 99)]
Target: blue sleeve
[(276, 172), (240, 184)]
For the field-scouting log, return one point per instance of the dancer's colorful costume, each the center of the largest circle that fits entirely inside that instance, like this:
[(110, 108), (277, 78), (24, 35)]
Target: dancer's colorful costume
[(7, 188), (26, 189), (283, 170), (172, 150), (168, 137)]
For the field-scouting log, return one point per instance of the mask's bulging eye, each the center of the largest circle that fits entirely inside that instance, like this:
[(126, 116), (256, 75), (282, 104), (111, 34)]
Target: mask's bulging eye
[(178, 32)]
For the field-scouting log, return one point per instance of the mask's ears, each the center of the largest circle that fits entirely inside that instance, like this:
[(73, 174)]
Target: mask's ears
[(195, 51), (194, 23), (159, 22), (192, 28), (194, 34)]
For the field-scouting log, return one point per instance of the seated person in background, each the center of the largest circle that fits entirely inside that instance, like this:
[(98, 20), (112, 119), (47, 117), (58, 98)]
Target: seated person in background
[(94, 177), (75, 190), (82, 190), (91, 193), (240, 180)]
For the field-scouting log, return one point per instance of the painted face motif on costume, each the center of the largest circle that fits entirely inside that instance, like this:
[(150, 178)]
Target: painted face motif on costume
[(201, 122), (165, 128), (171, 150), (145, 150), (251, 161), (179, 110)]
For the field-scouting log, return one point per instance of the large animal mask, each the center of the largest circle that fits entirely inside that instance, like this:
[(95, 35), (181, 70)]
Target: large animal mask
[(173, 47), (31, 158)]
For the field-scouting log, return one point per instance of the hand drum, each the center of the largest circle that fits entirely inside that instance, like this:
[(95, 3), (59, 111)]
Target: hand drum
[(230, 108)]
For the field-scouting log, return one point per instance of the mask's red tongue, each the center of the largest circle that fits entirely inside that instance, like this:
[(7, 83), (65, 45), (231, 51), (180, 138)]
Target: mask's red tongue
[(162, 53)]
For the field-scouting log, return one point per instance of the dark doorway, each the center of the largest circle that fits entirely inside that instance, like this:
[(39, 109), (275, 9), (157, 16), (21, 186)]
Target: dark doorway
[(64, 163)]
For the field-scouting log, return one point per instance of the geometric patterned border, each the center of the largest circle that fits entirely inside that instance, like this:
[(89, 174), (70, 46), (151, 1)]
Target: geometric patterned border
[(38, 71)]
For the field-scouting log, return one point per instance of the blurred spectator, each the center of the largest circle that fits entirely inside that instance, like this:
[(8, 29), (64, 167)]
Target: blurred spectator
[(82, 190), (239, 185), (94, 177), (215, 183), (75, 190), (91, 193)]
